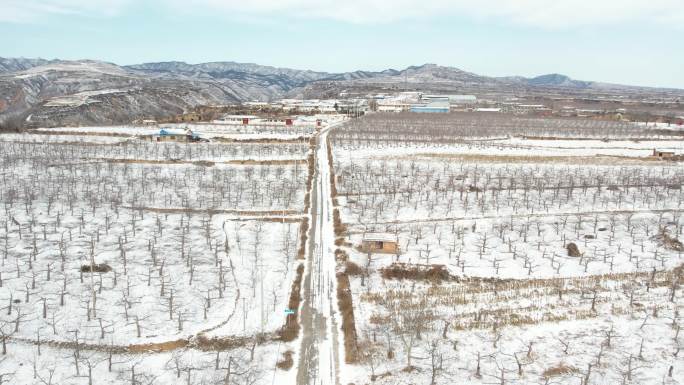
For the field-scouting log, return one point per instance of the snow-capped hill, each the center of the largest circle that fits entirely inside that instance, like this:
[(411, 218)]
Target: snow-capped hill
[(434, 72), (557, 80), (79, 91), (19, 64), (82, 66), (227, 70)]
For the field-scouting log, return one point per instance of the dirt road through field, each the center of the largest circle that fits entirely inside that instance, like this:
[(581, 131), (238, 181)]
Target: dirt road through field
[(319, 352)]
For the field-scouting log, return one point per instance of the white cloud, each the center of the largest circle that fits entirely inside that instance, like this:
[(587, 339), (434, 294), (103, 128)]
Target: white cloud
[(549, 14), (32, 10), (535, 13)]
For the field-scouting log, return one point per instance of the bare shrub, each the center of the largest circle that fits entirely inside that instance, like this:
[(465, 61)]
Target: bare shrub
[(344, 302), (96, 268), (559, 370), (287, 362), (352, 269), (290, 330), (433, 273), (670, 242), (573, 250)]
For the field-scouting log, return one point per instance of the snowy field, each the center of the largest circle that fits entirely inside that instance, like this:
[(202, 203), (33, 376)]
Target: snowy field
[(516, 148), (113, 247), (102, 148), (484, 288), (206, 130), (530, 251)]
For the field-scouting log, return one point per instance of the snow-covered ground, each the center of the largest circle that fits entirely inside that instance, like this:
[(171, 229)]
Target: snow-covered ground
[(80, 98), (101, 148), (510, 147), (183, 246), (498, 213), (206, 130), (196, 250)]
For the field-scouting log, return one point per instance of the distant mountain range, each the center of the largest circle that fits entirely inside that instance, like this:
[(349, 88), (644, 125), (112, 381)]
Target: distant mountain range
[(59, 92)]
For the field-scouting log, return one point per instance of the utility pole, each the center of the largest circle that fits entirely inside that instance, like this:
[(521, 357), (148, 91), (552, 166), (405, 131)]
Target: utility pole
[(261, 301)]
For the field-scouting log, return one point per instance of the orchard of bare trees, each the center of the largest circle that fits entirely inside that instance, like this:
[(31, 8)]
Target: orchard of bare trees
[(515, 265), (111, 249)]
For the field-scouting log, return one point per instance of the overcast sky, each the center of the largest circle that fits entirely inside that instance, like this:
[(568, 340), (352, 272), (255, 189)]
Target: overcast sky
[(637, 42)]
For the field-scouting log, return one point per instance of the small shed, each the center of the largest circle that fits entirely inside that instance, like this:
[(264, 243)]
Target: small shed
[(379, 243), (663, 154)]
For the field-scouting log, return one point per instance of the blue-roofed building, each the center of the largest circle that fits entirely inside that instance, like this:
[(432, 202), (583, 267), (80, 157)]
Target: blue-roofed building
[(175, 135), (434, 107)]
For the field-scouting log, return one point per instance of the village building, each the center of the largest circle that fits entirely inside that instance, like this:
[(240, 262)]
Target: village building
[(663, 154), (431, 107), (587, 113), (278, 121), (238, 119), (189, 117), (451, 99), (393, 107), (531, 109), (145, 122), (380, 243), (170, 135)]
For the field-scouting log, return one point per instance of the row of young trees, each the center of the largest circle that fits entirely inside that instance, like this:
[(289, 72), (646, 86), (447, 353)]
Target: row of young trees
[(393, 190), (33, 173), (404, 128), (83, 147)]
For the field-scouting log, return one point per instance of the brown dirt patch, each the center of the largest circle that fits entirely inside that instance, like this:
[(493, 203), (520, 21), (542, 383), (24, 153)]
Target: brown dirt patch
[(159, 347), (290, 330), (433, 273), (345, 304), (559, 370), (287, 362)]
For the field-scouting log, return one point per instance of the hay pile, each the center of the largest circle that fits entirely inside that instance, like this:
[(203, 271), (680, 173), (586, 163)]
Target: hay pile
[(97, 268), (573, 250)]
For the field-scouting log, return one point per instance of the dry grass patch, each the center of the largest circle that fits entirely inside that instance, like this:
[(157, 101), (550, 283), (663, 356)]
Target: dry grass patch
[(351, 268), (344, 302), (290, 330), (670, 242), (159, 347), (303, 236), (205, 343), (433, 273), (573, 250), (287, 362), (559, 370)]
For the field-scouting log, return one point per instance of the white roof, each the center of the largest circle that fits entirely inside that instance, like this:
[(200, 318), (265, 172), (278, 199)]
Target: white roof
[(239, 116), (379, 237)]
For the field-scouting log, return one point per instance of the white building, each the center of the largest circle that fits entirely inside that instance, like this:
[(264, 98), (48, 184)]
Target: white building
[(393, 106)]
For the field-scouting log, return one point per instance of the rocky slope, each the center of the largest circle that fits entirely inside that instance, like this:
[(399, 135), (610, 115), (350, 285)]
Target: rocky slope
[(90, 92)]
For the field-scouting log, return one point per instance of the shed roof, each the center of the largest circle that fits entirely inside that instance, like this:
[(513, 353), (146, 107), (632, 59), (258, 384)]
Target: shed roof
[(379, 237)]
